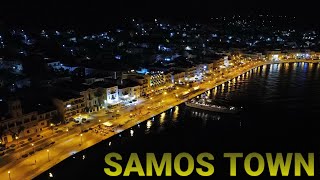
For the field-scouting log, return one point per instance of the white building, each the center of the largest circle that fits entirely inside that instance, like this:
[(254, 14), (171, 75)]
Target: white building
[(129, 91), (109, 93)]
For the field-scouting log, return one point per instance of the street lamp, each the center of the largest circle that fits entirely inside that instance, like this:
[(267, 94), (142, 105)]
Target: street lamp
[(33, 148), (81, 139), (17, 138), (9, 175), (34, 151), (48, 155), (51, 125)]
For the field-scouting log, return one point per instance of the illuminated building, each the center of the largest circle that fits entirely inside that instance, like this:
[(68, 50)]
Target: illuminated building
[(69, 105), (18, 122)]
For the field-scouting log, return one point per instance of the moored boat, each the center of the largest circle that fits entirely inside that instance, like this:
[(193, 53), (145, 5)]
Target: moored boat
[(212, 107)]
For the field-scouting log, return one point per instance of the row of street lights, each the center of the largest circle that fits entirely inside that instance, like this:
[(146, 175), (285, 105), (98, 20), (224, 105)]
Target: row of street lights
[(9, 172), (81, 139)]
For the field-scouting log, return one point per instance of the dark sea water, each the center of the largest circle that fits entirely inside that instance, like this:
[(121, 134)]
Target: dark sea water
[(281, 109)]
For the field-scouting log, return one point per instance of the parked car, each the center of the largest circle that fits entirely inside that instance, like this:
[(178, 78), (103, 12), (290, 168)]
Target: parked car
[(25, 155)]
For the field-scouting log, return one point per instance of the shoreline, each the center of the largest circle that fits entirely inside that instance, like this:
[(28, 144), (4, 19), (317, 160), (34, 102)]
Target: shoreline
[(133, 123), (65, 153)]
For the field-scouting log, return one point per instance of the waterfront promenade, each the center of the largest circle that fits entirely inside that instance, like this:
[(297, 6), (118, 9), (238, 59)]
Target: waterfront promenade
[(72, 142)]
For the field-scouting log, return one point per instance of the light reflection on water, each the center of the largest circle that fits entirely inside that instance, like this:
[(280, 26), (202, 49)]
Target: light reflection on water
[(175, 113), (162, 117), (149, 124), (266, 91)]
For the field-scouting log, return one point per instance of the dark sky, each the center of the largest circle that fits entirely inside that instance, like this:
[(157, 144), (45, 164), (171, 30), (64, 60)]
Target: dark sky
[(70, 11)]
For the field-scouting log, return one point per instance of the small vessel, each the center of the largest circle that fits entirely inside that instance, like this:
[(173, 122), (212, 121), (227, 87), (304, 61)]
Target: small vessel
[(212, 107)]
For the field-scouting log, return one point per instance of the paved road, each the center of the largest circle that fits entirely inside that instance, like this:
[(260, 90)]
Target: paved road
[(68, 143)]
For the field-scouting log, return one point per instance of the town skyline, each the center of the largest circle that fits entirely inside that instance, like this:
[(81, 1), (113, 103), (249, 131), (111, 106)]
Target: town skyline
[(73, 75)]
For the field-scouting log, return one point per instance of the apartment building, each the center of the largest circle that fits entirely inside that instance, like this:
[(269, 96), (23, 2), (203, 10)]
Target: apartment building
[(17, 122), (69, 105)]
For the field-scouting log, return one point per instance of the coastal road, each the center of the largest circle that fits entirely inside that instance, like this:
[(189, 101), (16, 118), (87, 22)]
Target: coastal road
[(29, 167)]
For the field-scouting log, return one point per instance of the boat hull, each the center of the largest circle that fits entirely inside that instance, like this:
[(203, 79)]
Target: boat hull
[(213, 109)]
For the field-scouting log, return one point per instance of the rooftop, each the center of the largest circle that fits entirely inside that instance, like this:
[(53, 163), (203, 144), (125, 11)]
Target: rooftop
[(128, 83), (66, 96), (176, 71), (41, 106), (103, 84), (69, 85)]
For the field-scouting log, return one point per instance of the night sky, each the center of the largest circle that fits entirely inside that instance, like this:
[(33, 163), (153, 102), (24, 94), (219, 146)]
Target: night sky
[(94, 12)]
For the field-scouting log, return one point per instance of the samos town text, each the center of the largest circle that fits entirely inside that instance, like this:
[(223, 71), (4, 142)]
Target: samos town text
[(184, 164)]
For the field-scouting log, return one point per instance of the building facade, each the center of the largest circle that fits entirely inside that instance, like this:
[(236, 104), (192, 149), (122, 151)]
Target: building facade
[(69, 105), (20, 124)]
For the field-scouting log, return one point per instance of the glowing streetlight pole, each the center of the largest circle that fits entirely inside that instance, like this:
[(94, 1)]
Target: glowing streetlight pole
[(17, 138), (81, 139), (34, 151), (33, 148), (51, 125), (9, 175), (48, 155)]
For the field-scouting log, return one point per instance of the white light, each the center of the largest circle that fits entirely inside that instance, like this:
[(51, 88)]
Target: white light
[(131, 132), (188, 48), (149, 123), (50, 175), (69, 105)]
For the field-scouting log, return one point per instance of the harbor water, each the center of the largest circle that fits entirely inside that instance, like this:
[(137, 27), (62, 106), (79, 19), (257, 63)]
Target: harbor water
[(281, 105)]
